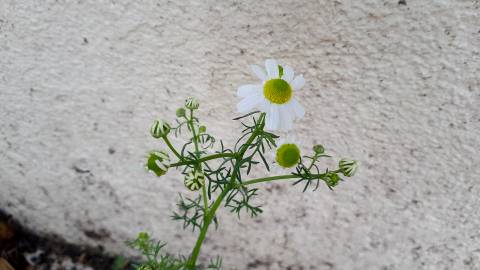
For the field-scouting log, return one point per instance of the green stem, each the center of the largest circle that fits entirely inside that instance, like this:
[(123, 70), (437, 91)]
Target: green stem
[(203, 231), (169, 144), (268, 179), (253, 136), (283, 177), (313, 162), (192, 127), (198, 164), (203, 159), (211, 213)]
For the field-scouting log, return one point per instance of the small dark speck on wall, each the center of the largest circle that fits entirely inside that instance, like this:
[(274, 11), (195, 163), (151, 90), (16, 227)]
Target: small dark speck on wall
[(111, 151), (85, 40), (79, 170), (402, 2)]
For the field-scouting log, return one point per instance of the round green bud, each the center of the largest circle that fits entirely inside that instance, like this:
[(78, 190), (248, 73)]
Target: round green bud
[(202, 129), (194, 180), (180, 112), (318, 149), (348, 166), (159, 129), (332, 179), (191, 103), (158, 162), (143, 236), (288, 155)]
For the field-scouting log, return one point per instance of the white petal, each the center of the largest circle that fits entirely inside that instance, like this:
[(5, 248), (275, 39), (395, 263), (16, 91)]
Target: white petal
[(285, 118), (286, 115), (298, 82), (248, 103), (291, 117), (297, 108), (259, 72), (264, 105), (161, 165), (271, 123), (287, 73), (248, 89), (281, 117), (272, 68)]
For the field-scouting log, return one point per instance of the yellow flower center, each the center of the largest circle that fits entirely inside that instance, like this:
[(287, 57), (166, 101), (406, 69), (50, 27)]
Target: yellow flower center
[(288, 155), (277, 91)]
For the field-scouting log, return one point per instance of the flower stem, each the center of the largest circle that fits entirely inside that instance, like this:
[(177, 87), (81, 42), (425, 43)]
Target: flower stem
[(203, 159), (283, 177), (259, 128), (211, 212), (268, 179), (203, 231), (198, 164), (169, 144)]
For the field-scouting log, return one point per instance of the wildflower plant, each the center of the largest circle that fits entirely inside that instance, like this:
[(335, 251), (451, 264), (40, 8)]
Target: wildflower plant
[(222, 178)]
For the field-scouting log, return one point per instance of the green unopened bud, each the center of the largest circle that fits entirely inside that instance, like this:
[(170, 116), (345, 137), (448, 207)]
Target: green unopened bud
[(348, 166), (158, 162), (191, 103), (180, 112), (143, 237), (202, 129), (332, 179), (194, 180), (159, 129), (318, 149), (146, 267), (288, 155)]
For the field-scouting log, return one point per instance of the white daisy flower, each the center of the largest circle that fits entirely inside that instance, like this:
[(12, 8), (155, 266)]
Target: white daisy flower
[(275, 95)]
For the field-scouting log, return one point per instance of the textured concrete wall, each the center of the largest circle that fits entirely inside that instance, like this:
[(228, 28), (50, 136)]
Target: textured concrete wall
[(393, 85)]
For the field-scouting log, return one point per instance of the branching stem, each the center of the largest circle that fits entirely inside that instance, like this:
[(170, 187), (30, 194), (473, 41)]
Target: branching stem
[(198, 165), (169, 144), (210, 214), (203, 231), (203, 159), (283, 177)]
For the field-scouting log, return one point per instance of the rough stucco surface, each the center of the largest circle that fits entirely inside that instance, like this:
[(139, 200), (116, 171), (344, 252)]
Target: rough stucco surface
[(394, 86)]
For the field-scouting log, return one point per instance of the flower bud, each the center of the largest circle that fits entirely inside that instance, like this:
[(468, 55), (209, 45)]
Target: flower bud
[(318, 149), (348, 166), (202, 129), (145, 267), (288, 155), (143, 237), (158, 162), (332, 179), (180, 112), (194, 180), (191, 103), (159, 129)]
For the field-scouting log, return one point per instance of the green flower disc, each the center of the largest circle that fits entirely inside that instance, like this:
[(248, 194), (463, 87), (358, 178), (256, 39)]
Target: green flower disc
[(288, 155)]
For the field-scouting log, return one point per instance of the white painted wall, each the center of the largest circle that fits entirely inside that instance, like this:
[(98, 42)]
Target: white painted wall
[(395, 86)]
